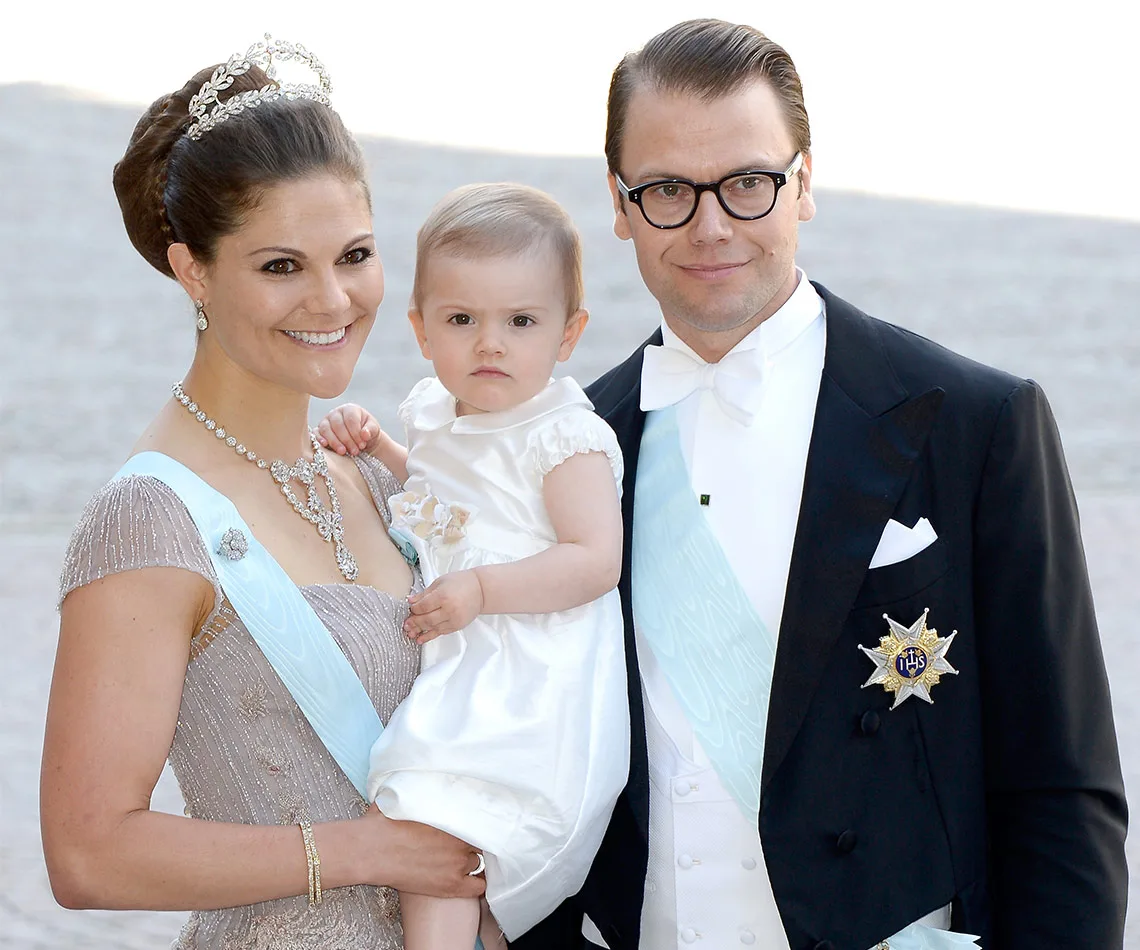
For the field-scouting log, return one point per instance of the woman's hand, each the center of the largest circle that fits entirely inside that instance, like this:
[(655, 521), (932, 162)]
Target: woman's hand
[(349, 430), (420, 859), (449, 604)]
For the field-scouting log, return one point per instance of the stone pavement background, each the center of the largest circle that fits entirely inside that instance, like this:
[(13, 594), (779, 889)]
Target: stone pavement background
[(92, 339)]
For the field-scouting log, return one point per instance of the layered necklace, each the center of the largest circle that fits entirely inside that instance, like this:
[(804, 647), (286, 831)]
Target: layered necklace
[(327, 521)]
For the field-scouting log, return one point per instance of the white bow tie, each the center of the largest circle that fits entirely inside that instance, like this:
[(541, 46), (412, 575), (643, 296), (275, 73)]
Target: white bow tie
[(668, 375)]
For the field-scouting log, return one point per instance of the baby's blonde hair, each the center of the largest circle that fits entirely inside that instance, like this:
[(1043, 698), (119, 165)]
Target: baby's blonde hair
[(490, 220)]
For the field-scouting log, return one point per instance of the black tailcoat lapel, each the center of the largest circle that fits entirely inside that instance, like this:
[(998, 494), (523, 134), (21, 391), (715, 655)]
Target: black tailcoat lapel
[(867, 433)]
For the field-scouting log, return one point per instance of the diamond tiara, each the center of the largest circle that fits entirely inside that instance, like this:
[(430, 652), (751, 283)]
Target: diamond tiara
[(208, 112)]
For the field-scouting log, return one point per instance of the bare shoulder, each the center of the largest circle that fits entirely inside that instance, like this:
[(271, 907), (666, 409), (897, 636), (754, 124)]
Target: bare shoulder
[(146, 605)]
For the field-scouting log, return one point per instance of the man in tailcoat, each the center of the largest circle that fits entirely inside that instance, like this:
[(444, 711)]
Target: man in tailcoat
[(866, 683)]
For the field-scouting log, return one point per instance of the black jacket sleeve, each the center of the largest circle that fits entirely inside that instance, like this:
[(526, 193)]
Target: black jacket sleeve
[(1056, 812)]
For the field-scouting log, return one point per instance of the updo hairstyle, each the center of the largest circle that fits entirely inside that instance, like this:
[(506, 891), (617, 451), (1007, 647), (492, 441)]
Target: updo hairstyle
[(174, 189)]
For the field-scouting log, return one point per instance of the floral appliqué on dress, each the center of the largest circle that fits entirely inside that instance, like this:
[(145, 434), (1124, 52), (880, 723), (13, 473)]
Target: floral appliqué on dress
[(427, 518)]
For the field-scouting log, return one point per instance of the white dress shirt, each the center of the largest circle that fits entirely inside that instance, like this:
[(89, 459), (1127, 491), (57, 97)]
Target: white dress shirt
[(707, 884)]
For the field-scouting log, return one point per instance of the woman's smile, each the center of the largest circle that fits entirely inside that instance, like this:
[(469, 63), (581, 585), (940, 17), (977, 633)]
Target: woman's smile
[(317, 340)]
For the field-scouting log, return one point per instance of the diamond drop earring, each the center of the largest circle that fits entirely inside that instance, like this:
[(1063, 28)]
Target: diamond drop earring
[(200, 309)]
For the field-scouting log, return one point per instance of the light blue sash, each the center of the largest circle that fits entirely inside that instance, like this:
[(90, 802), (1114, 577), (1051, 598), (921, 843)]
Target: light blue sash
[(297, 645), (688, 604)]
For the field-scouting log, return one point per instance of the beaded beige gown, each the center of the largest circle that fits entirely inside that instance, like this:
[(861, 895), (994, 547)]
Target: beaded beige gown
[(242, 749)]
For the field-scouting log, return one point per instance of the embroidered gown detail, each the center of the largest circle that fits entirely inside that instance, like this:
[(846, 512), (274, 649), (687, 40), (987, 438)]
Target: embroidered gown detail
[(242, 750)]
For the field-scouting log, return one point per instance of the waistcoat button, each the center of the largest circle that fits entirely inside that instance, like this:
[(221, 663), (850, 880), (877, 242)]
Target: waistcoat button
[(681, 787), (747, 937), (824, 945), (689, 935), (846, 842), (749, 864), (684, 862)]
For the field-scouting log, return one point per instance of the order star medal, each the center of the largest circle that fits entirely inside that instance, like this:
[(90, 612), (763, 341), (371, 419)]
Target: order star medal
[(910, 660)]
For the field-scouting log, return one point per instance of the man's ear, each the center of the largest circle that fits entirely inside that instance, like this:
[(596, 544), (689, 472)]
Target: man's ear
[(416, 319), (575, 324), (621, 218), (190, 273), (806, 202)]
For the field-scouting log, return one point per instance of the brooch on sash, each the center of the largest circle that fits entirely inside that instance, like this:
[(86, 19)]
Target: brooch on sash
[(910, 660), (233, 545)]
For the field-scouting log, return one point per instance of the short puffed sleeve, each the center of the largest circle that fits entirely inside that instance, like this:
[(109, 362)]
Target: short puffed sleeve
[(575, 431), (133, 523)]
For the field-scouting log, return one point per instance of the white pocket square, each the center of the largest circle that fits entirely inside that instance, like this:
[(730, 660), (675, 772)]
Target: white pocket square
[(900, 542)]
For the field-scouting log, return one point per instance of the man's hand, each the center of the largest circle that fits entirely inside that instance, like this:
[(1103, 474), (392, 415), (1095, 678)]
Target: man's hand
[(349, 430), (450, 604)]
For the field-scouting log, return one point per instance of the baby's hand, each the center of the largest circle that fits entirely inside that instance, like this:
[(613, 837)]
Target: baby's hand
[(450, 604), (349, 430)]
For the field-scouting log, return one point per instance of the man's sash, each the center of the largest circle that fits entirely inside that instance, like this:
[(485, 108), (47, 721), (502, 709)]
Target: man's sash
[(688, 604), (297, 645)]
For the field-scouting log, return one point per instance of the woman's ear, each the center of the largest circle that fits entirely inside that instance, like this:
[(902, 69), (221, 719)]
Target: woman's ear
[(190, 273)]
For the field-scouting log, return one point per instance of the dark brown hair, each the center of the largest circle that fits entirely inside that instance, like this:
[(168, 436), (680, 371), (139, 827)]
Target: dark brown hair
[(710, 59), (488, 220), (174, 189)]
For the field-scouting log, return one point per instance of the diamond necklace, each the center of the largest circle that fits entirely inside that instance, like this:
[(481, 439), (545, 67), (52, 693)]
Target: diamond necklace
[(327, 521)]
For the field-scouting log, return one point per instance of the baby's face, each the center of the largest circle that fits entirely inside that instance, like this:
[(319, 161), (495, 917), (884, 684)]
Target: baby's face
[(494, 327)]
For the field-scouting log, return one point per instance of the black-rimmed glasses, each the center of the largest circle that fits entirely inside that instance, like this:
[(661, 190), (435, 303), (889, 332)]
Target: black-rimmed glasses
[(672, 202)]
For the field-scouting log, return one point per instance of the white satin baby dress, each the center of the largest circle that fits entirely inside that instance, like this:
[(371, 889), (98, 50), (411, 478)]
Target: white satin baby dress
[(515, 736)]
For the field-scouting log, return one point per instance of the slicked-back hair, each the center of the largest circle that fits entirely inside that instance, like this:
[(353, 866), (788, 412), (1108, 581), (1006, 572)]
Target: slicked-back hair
[(709, 59), (499, 219)]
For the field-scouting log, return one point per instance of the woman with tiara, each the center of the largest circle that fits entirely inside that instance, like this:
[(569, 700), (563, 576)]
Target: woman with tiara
[(231, 599)]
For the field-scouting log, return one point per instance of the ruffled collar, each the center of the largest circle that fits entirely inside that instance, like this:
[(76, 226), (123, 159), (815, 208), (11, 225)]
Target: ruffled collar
[(436, 408)]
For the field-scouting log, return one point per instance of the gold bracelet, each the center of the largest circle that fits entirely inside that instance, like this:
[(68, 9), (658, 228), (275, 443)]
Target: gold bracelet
[(307, 837), (313, 859)]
